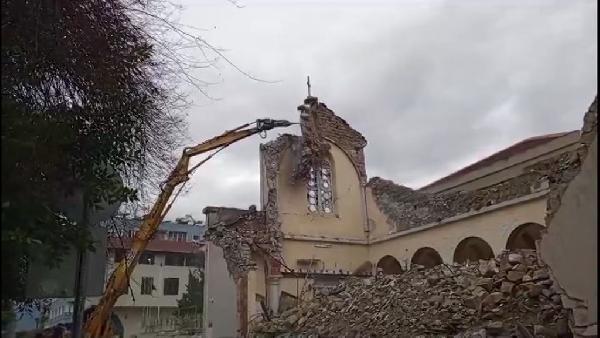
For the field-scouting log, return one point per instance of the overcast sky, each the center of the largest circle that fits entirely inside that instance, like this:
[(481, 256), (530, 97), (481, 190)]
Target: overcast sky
[(432, 85)]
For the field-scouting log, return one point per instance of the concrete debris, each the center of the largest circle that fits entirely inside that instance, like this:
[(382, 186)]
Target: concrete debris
[(443, 301)]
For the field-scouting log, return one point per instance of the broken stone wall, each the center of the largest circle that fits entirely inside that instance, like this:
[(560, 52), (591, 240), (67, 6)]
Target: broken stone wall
[(493, 226), (271, 154), (510, 163), (329, 126), (406, 208), (244, 240), (570, 245), (240, 238), (221, 233), (240, 233), (260, 232)]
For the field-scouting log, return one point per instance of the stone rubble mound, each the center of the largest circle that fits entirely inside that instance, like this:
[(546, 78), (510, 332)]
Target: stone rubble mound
[(508, 296)]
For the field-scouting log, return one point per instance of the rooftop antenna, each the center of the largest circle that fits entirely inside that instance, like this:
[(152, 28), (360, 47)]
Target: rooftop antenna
[(308, 84)]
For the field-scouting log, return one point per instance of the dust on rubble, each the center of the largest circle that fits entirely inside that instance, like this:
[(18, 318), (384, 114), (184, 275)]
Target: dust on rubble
[(511, 295)]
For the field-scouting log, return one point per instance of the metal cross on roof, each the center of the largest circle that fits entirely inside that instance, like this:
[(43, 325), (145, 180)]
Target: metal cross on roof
[(308, 84)]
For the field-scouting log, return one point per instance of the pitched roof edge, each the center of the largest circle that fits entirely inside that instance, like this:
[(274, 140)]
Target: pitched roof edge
[(469, 168)]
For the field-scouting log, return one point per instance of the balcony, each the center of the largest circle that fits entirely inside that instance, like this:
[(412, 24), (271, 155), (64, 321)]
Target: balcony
[(182, 322)]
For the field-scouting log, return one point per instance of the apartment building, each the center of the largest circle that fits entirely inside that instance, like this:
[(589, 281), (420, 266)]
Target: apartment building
[(173, 256)]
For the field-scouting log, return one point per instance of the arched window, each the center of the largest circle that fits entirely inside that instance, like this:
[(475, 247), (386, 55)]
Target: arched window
[(426, 257), (320, 190), (524, 236), (389, 265), (472, 249)]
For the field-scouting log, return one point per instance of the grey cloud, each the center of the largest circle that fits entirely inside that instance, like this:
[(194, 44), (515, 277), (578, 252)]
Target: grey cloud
[(432, 88)]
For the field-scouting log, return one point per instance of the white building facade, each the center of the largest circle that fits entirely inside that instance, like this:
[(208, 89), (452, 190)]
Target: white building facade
[(160, 279)]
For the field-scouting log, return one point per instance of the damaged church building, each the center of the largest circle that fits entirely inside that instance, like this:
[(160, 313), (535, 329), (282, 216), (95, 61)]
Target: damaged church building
[(321, 219)]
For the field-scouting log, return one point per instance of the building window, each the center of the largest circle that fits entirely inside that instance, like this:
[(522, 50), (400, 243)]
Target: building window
[(147, 285), (174, 259), (161, 234), (196, 237), (171, 287), (179, 236), (146, 258), (196, 260), (320, 193)]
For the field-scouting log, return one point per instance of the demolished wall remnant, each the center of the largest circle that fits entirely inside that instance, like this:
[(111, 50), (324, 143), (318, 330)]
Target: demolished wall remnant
[(562, 179), (241, 233), (314, 147), (569, 245), (272, 153), (240, 237), (320, 123), (407, 208), (510, 295), (306, 151)]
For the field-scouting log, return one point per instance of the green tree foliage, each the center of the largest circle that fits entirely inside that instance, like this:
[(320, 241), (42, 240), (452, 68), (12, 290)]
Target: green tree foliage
[(83, 88), (192, 301)]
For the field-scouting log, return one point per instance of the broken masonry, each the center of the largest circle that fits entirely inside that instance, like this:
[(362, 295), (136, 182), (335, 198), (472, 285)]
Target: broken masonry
[(510, 295)]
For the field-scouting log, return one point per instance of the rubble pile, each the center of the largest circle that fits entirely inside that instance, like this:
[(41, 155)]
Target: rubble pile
[(509, 296)]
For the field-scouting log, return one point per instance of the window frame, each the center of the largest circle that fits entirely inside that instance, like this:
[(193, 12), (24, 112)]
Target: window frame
[(165, 289), (319, 188), (172, 255), (177, 236), (150, 255), (195, 260), (144, 286)]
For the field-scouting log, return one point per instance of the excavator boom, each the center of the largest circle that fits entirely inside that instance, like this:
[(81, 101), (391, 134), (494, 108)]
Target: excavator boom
[(97, 326)]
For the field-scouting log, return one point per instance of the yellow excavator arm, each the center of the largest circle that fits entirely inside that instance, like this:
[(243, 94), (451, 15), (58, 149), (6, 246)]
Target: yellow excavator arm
[(97, 326)]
